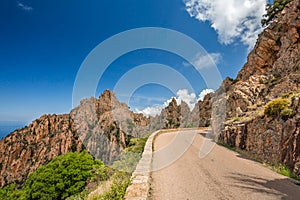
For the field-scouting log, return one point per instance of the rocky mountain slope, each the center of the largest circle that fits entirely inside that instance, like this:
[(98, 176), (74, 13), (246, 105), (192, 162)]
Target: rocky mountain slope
[(25, 149), (272, 72), (103, 126)]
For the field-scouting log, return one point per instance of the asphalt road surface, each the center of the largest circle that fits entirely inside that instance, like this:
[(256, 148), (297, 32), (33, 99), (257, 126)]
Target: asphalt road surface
[(221, 174)]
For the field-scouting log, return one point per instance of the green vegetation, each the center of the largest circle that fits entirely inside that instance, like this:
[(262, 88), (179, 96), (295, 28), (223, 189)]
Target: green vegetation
[(287, 95), (10, 192), (69, 175), (120, 182), (272, 10), (227, 146), (126, 165), (270, 81), (291, 94), (62, 177), (277, 107), (190, 126), (131, 155), (284, 170), (136, 145), (286, 113), (236, 119)]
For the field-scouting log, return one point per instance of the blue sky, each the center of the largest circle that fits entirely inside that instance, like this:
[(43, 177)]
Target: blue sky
[(43, 44)]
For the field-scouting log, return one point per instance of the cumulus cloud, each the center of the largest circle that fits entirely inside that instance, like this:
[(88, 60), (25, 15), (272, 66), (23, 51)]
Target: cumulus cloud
[(151, 111), (24, 6), (203, 93), (231, 19), (181, 95), (184, 95)]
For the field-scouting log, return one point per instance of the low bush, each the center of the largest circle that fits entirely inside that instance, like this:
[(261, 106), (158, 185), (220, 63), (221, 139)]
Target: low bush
[(131, 155), (276, 106), (136, 145), (120, 182), (286, 112)]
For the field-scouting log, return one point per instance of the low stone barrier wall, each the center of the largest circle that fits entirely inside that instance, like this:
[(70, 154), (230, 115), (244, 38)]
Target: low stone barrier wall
[(140, 179)]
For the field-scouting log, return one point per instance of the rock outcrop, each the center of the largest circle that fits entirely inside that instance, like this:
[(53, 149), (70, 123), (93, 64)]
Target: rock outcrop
[(272, 71), (172, 115), (105, 126)]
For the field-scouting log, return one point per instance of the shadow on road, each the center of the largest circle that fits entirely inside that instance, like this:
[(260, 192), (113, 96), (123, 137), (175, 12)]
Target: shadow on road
[(285, 189)]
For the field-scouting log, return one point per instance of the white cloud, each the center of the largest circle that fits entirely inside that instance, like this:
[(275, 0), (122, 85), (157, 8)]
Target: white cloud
[(151, 111), (181, 95), (205, 61), (203, 93), (24, 7), (232, 19), (189, 98)]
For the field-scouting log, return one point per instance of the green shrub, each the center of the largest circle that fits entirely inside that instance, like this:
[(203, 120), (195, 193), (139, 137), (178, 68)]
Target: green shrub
[(120, 182), (136, 145), (275, 107), (190, 126), (10, 192), (284, 170), (131, 155), (64, 176), (272, 10), (127, 162), (286, 112)]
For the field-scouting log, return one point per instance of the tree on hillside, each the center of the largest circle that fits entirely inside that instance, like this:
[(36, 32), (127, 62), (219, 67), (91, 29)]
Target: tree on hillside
[(272, 10)]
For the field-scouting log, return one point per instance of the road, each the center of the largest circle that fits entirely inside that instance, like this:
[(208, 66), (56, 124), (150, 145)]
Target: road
[(222, 174)]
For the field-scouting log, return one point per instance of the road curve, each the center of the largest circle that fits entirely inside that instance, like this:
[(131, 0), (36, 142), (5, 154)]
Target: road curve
[(222, 174)]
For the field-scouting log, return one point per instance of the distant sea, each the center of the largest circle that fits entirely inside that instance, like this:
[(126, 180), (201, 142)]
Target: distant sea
[(8, 127)]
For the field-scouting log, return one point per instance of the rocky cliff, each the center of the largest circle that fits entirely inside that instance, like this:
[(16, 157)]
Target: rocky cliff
[(103, 126), (272, 71), (22, 151)]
